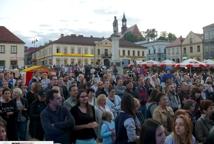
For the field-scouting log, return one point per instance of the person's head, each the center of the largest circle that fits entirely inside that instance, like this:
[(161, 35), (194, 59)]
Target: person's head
[(141, 81), (196, 93), (163, 99), (35, 87), (182, 112), (154, 95), (54, 81), (127, 104), (101, 100), (42, 96), (3, 132), (112, 92), (129, 84), (82, 97), (73, 90), (120, 82), (184, 86), (171, 88), (54, 98), (17, 93), (100, 85), (207, 107), (91, 93), (107, 116), (182, 129), (152, 132), (6, 94), (5, 84)]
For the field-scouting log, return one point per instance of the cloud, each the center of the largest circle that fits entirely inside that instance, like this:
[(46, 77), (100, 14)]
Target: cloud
[(44, 25), (105, 12)]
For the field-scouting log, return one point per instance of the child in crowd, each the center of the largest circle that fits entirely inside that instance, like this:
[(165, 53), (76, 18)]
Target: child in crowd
[(108, 128)]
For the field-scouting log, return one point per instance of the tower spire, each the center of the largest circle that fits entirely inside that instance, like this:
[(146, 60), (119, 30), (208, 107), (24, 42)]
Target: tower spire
[(124, 27)]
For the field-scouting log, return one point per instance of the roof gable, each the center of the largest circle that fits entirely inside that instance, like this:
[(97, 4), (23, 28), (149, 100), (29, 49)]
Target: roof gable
[(7, 36)]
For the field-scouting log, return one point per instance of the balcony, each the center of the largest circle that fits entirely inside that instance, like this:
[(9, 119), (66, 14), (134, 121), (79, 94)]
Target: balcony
[(106, 55)]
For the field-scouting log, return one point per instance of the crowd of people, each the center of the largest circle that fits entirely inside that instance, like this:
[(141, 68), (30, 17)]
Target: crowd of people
[(89, 105)]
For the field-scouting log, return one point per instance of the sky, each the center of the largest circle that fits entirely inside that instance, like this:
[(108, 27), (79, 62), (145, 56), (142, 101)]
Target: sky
[(47, 19)]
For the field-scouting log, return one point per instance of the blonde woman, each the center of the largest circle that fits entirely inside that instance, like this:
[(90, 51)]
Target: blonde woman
[(22, 113), (99, 110), (182, 131)]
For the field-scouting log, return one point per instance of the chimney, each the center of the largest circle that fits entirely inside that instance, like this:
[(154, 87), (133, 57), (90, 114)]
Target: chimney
[(62, 35)]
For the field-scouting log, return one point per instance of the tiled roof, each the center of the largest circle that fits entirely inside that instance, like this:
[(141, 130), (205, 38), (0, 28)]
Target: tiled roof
[(8, 37), (211, 25), (134, 30), (175, 43), (81, 40), (30, 50)]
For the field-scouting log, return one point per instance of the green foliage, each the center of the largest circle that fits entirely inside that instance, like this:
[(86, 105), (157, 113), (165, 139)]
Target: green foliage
[(150, 34), (132, 38)]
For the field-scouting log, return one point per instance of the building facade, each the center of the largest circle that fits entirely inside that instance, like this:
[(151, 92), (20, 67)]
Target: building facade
[(192, 46), (208, 41), (174, 50), (11, 50), (156, 50), (74, 49)]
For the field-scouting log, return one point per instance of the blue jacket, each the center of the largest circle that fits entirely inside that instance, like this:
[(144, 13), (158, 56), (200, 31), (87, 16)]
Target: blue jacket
[(106, 132)]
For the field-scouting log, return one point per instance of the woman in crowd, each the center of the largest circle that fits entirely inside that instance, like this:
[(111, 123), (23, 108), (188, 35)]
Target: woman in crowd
[(164, 113), (125, 124), (100, 108), (152, 132), (8, 112), (113, 102), (84, 115), (182, 131), (35, 126), (22, 113)]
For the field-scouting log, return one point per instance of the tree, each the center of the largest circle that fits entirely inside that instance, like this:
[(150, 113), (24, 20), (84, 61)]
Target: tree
[(163, 36), (171, 37), (132, 38), (150, 34)]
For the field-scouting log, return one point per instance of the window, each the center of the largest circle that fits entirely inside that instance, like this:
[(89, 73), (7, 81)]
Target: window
[(79, 50), (13, 49), (2, 49), (98, 51), (128, 53), (173, 51), (86, 51), (2, 63), (149, 51), (185, 51), (142, 53), (65, 50), (190, 40), (138, 53), (133, 53), (57, 50), (106, 52), (72, 50), (124, 52), (13, 63), (191, 49), (198, 48), (154, 51), (169, 51), (177, 51)]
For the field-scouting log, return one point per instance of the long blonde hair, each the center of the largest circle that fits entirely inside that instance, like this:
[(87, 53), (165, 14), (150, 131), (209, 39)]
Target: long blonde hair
[(188, 130)]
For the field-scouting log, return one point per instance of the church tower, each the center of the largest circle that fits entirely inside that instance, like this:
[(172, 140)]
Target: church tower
[(124, 27)]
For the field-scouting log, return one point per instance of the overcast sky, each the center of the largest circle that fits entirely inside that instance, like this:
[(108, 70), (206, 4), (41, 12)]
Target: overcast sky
[(47, 19)]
